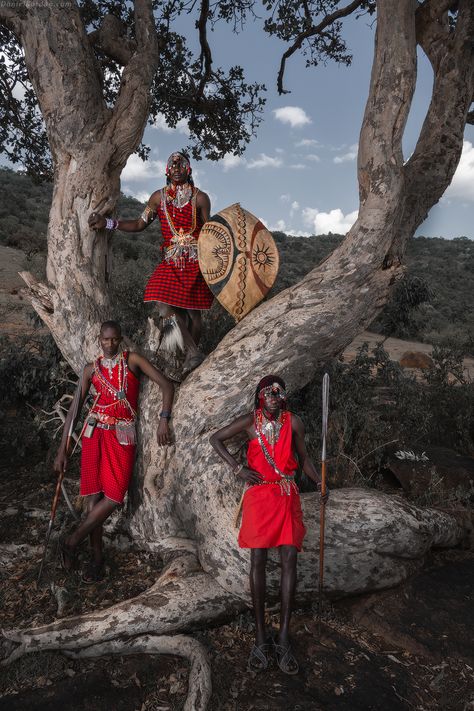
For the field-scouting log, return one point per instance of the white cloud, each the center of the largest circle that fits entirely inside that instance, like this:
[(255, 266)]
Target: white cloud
[(298, 166), (294, 115), (295, 205), (307, 143), (279, 150), (313, 157), (137, 169), (230, 161), (140, 195), (346, 157), (285, 197), (281, 226), (161, 125), (332, 221), (462, 184), (265, 161)]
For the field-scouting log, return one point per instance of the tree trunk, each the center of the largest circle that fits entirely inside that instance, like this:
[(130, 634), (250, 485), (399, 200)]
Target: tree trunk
[(187, 496)]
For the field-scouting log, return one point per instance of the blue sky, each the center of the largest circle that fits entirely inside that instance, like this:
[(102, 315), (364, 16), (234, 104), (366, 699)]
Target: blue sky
[(299, 174)]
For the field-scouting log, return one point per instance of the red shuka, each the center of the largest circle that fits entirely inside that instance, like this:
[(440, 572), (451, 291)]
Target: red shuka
[(180, 284), (107, 465), (271, 517)]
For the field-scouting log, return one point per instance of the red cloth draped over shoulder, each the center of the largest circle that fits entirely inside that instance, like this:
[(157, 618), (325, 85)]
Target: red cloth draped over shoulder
[(270, 516), (108, 403), (107, 465), (180, 284)]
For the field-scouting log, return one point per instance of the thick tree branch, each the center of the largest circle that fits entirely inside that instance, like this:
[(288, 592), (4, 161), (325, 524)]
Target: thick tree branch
[(112, 40), (439, 146), (392, 84), (206, 55), (11, 18), (310, 32), (432, 28), (132, 105)]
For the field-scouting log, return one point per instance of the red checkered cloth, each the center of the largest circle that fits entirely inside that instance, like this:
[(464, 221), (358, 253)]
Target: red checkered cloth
[(106, 465), (179, 284)]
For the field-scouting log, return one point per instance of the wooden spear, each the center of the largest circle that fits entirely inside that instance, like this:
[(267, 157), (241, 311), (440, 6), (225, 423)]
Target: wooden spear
[(59, 484), (322, 506)]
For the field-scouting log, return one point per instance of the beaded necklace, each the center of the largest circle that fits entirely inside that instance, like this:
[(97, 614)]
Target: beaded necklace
[(179, 234), (119, 393)]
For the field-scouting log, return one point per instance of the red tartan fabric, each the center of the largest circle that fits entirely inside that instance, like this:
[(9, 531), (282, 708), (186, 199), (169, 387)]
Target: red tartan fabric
[(181, 284), (270, 517), (106, 465)]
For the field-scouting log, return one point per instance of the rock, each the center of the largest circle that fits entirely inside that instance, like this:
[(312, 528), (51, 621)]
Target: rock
[(416, 359), (439, 468)]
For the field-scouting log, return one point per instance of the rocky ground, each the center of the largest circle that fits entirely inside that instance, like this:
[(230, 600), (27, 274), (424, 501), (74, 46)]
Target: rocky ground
[(406, 648)]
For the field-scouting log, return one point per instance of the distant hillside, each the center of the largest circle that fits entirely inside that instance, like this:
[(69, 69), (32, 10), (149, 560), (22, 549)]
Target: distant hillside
[(443, 268)]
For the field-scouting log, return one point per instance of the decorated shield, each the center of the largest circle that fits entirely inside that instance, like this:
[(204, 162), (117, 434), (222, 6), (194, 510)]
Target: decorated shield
[(238, 259)]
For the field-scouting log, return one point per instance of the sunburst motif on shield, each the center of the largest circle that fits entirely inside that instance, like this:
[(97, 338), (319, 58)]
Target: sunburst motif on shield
[(238, 259)]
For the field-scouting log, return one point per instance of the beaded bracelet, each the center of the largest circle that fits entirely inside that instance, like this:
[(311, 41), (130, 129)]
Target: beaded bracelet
[(165, 413), (111, 224)]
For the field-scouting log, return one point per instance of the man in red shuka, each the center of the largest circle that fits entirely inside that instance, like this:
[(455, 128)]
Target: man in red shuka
[(271, 509), (108, 440), (177, 284)]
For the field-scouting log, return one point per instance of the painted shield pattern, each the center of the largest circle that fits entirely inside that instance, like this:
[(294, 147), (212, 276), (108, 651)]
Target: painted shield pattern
[(238, 259)]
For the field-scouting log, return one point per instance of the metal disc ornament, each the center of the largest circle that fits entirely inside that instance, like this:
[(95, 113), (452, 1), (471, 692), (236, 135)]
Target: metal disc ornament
[(238, 259)]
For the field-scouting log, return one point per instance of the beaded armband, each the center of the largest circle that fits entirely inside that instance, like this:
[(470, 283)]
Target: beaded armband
[(148, 215), (110, 224)]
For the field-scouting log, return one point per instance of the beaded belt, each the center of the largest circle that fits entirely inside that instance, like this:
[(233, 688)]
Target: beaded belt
[(285, 484), (104, 426), (177, 251)]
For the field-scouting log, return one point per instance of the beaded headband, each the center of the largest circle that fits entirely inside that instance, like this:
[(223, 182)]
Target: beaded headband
[(273, 389), (182, 159)]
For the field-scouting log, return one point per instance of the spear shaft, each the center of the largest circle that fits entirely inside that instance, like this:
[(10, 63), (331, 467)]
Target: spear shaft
[(59, 484), (322, 505)]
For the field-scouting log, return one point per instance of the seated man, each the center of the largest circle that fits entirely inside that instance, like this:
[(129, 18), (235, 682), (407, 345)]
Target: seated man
[(108, 441), (271, 509), (177, 283)]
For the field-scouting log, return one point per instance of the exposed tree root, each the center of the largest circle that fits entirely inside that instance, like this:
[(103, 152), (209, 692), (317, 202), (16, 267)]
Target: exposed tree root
[(200, 685), (171, 605)]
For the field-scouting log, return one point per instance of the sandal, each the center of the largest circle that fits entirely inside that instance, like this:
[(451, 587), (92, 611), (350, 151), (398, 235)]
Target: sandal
[(67, 556), (258, 657), (94, 573), (286, 659)]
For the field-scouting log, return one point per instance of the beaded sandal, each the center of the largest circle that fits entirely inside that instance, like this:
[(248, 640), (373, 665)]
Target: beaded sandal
[(286, 659), (67, 556), (94, 573), (258, 657)]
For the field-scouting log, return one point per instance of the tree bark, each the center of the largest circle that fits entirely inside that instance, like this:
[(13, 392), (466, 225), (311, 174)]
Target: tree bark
[(187, 497)]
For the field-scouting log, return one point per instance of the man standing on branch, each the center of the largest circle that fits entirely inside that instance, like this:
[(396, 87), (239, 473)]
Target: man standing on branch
[(177, 283), (108, 439), (271, 509)]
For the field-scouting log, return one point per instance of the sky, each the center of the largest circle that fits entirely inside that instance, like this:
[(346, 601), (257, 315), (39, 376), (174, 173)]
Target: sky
[(299, 174)]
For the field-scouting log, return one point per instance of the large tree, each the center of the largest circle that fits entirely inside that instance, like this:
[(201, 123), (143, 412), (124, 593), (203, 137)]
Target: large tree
[(96, 84)]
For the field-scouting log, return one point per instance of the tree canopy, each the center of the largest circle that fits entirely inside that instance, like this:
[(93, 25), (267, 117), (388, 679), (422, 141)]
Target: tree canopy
[(222, 108)]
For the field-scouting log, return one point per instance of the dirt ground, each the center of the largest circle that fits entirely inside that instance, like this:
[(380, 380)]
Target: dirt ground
[(406, 648)]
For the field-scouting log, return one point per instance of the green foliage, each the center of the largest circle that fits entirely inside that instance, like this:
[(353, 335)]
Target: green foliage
[(374, 402), (398, 317)]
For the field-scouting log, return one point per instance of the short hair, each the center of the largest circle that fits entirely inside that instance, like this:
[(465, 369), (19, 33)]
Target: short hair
[(111, 324), (265, 382)]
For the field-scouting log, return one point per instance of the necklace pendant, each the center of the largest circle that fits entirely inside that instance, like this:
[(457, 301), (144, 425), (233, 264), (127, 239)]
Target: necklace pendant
[(121, 395)]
